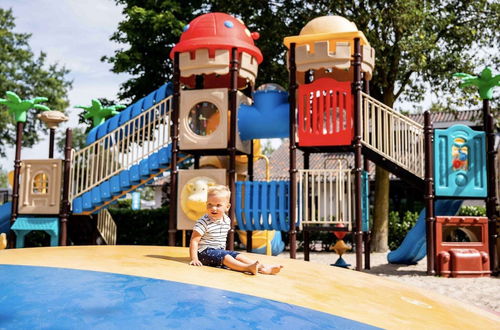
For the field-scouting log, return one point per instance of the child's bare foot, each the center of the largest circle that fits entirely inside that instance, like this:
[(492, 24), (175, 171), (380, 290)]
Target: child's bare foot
[(270, 270), (253, 268)]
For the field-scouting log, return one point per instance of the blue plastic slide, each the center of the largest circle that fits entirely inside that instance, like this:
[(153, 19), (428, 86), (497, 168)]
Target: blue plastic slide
[(414, 247), (5, 211)]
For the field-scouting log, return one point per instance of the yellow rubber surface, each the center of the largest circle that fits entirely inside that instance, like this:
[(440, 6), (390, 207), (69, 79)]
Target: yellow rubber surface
[(347, 293)]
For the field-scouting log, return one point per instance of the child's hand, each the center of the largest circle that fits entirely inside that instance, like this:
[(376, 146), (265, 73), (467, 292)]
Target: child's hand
[(195, 263)]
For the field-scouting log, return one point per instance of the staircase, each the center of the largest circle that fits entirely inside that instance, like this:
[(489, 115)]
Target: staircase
[(392, 140), (124, 153)]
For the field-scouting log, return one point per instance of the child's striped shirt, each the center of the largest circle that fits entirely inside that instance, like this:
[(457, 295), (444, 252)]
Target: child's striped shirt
[(213, 233)]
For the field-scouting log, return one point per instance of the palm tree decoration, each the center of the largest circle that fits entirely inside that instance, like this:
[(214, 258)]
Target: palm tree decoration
[(98, 113), (19, 108), (485, 82)]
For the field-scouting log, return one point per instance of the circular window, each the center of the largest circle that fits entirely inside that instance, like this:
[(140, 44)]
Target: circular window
[(204, 118)]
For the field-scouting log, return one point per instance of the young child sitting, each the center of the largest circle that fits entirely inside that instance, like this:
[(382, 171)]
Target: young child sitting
[(208, 241)]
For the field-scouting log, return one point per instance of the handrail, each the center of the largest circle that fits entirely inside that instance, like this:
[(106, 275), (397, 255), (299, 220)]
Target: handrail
[(106, 227), (121, 148), (326, 196), (395, 136)]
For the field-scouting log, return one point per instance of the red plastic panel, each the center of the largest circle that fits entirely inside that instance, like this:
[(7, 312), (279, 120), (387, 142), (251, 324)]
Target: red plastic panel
[(325, 115), (462, 246)]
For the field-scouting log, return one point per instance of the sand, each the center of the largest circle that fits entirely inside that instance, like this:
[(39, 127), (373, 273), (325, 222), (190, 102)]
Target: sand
[(483, 292)]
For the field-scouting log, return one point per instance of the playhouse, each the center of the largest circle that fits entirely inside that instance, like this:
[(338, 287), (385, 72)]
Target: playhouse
[(211, 116)]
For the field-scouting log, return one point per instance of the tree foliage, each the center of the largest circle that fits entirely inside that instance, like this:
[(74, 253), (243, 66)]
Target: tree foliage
[(27, 75)]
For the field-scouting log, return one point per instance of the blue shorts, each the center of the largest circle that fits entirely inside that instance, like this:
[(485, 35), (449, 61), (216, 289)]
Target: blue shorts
[(214, 257)]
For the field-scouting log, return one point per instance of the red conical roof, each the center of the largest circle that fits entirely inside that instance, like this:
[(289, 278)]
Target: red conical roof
[(217, 31)]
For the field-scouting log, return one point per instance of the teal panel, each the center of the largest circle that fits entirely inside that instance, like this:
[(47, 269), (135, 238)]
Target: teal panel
[(460, 162), (365, 201)]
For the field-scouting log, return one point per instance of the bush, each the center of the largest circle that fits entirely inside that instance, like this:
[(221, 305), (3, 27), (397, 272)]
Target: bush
[(472, 211), (141, 227), (398, 228)]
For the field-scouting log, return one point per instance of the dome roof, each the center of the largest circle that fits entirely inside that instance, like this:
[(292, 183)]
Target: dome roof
[(328, 24), (217, 31)]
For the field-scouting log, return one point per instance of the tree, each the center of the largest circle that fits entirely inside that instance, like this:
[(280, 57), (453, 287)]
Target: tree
[(26, 75), (78, 140), (418, 45)]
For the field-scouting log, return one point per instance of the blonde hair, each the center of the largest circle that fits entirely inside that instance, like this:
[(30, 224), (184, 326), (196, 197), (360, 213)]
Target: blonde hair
[(219, 190)]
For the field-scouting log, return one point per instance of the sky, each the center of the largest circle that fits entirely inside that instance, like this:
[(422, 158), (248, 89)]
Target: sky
[(73, 33)]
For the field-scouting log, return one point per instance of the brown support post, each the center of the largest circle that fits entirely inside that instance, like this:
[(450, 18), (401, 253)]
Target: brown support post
[(65, 205), (233, 108), (293, 153), (15, 187), (491, 200), (250, 178), (174, 134), (367, 236), (196, 162), (51, 142), (430, 220), (358, 234), (307, 165)]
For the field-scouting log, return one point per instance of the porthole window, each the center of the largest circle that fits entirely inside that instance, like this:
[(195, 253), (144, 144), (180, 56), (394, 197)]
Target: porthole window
[(40, 184), (204, 118)]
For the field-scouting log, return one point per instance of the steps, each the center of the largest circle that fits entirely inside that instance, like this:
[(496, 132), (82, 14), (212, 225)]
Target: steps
[(124, 153)]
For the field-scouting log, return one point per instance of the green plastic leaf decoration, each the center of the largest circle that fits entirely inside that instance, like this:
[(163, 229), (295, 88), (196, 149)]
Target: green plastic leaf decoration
[(485, 82), (19, 108), (98, 113)]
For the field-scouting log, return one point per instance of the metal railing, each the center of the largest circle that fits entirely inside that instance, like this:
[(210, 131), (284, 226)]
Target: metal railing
[(395, 136), (120, 149), (326, 196), (106, 227)]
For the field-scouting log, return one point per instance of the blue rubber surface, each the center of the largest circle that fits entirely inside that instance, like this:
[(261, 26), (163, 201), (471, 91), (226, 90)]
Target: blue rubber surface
[(413, 248), (57, 298), (5, 211)]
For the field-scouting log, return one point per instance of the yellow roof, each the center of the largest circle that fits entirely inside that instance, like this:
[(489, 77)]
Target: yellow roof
[(335, 28)]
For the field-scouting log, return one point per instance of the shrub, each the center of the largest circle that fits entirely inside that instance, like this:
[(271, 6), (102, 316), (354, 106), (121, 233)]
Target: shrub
[(141, 227), (472, 211), (398, 228)]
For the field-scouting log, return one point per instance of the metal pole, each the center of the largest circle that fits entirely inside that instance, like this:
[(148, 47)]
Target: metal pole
[(357, 153), (250, 178), (491, 200), (293, 152), (65, 205), (430, 220), (367, 236), (51, 142), (174, 171), (305, 230), (233, 108)]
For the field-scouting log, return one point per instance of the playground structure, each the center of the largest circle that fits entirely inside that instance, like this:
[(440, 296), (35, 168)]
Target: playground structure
[(211, 109)]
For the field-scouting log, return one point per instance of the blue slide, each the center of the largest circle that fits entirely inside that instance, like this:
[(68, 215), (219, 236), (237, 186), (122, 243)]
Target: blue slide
[(5, 211), (414, 246)]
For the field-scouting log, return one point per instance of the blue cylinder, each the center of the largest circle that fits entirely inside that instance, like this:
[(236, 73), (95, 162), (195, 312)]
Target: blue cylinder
[(267, 118)]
